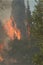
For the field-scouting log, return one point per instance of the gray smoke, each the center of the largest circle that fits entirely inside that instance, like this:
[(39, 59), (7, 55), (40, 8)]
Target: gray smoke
[(5, 13), (5, 9), (15, 8), (2, 33)]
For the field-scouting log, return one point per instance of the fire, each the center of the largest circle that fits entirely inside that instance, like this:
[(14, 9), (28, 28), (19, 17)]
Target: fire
[(18, 33), (12, 31), (1, 59)]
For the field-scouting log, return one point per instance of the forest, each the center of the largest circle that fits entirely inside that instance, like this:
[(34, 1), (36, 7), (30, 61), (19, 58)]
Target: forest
[(21, 33)]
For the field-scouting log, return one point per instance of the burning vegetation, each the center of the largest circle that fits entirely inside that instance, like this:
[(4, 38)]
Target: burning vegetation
[(11, 30), (14, 34)]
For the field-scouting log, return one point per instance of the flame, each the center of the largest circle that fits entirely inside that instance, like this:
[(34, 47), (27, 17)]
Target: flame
[(19, 35), (12, 31), (1, 59)]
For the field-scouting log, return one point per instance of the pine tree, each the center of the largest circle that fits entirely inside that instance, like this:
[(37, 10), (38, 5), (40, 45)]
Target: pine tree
[(37, 32), (37, 22)]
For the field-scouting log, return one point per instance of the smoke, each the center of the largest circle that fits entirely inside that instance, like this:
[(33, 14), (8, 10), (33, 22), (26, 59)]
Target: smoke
[(2, 33), (18, 12), (15, 8), (5, 13), (5, 10)]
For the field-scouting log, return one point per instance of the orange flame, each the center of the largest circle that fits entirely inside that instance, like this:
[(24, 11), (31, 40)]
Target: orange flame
[(1, 59), (12, 32)]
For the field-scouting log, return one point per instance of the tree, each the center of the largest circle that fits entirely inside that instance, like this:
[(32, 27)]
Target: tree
[(37, 32)]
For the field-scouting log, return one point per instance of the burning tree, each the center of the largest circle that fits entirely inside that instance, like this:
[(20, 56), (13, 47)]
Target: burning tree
[(15, 32)]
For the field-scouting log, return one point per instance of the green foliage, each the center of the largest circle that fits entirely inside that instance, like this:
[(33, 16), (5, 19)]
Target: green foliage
[(37, 28), (38, 59), (37, 33)]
